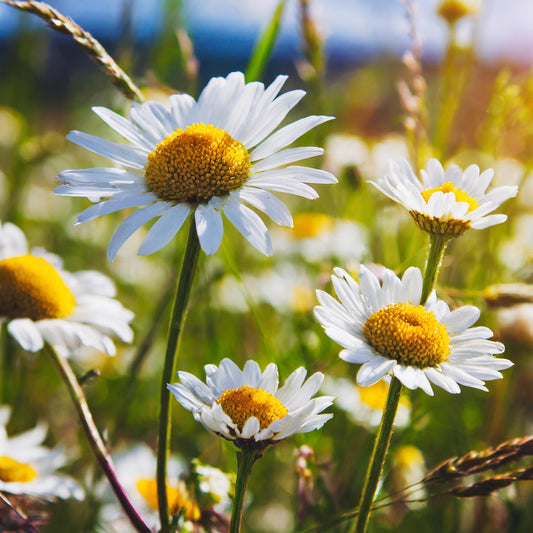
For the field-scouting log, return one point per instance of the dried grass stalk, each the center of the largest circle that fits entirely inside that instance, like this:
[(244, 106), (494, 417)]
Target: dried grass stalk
[(96, 51), (507, 452)]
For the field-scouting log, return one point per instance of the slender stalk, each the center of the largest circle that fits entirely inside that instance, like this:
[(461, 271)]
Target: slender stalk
[(437, 245), (59, 22), (188, 270), (246, 460), (93, 436), (377, 459)]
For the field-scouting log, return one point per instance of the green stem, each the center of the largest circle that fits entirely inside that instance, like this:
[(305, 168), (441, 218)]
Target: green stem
[(188, 270), (246, 460), (437, 245), (381, 445), (93, 437)]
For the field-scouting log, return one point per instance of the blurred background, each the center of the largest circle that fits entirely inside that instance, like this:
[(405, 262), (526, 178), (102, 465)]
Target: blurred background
[(445, 79)]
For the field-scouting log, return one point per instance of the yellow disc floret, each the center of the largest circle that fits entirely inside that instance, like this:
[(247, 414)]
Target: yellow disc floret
[(242, 403), (460, 195), (195, 164), (306, 225), (11, 471), (30, 287), (178, 498), (410, 334)]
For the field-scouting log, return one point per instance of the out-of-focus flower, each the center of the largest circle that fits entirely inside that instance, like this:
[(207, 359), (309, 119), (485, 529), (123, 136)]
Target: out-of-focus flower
[(246, 406), (318, 237), (211, 486), (408, 468), (43, 303), (446, 202), (453, 10), (203, 157), (135, 469), (28, 467), (288, 288), (343, 150), (364, 405), (384, 328)]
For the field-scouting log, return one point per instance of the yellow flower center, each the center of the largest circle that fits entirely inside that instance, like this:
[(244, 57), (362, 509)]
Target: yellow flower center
[(195, 164), (306, 225), (408, 455), (30, 287), (410, 335), (12, 471), (453, 10), (242, 403), (460, 195), (178, 498), (374, 396)]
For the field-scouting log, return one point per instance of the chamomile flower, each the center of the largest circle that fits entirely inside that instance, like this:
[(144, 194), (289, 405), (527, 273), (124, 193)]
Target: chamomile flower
[(136, 468), (384, 328), (447, 202), (246, 406), (43, 303), (205, 157), (28, 467)]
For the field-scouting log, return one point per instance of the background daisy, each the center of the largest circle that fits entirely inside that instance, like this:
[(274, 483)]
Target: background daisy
[(207, 156), (28, 467), (446, 202), (43, 303)]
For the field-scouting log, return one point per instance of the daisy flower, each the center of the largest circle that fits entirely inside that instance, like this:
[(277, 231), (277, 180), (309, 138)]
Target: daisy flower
[(28, 467), (206, 157), (246, 406), (447, 202), (135, 469), (43, 303), (384, 328)]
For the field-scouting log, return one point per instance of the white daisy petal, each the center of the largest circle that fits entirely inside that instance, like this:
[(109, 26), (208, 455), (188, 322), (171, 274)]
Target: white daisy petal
[(286, 136), (130, 156), (209, 228), (249, 225), (123, 126), (285, 157), (131, 224), (372, 371), (116, 204), (26, 333), (267, 203), (164, 229)]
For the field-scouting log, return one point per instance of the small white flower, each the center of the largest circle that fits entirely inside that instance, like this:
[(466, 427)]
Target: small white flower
[(205, 157), (384, 328), (43, 303), (28, 467), (247, 407), (446, 202)]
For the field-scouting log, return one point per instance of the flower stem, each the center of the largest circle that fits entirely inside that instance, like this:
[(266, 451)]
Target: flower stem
[(93, 436), (246, 460), (437, 245), (381, 445), (188, 270)]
